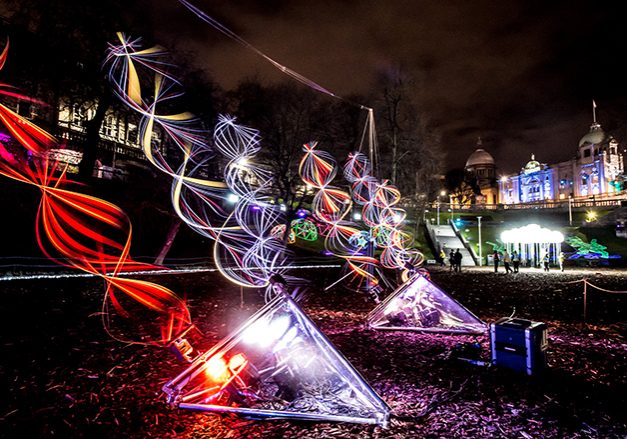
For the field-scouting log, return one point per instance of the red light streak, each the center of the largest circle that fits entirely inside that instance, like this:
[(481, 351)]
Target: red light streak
[(84, 232)]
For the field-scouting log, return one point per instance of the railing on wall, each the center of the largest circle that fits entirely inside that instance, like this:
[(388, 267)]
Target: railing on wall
[(548, 204), (467, 245)]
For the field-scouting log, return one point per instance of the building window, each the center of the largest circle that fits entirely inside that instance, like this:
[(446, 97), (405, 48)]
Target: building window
[(109, 127), (586, 152), (132, 134), (78, 115)]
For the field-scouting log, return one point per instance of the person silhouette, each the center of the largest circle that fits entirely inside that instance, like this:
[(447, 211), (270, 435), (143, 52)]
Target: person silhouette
[(458, 261), (515, 261)]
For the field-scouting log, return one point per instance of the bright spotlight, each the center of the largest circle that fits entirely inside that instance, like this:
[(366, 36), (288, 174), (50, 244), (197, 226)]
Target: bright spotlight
[(531, 233), (216, 369), (263, 333), (232, 198), (356, 216)]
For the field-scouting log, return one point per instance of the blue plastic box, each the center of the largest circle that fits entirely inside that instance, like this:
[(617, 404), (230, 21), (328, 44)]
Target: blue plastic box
[(519, 344)]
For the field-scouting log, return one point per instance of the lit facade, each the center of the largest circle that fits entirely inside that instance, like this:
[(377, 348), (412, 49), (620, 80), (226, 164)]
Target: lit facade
[(594, 171), (119, 136), (118, 147)]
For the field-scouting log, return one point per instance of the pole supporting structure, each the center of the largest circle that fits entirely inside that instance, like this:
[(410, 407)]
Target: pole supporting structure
[(480, 249), (585, 300)]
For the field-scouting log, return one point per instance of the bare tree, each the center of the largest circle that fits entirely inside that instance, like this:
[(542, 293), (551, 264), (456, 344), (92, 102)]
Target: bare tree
[(462, 186), (289, 116), (410, 148)]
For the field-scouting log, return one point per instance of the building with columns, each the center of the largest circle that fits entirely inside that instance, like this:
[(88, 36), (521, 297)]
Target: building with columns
[(596, 170)]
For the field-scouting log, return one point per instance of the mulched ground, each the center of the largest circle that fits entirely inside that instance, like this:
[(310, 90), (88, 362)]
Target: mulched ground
[(60, 376)]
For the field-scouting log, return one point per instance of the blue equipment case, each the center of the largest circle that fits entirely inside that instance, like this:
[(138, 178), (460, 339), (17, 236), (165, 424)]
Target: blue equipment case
[(519, 344)]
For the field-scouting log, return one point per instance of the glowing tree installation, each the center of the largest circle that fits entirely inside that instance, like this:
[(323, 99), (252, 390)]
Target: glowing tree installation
[(588, 250), (268, 378)]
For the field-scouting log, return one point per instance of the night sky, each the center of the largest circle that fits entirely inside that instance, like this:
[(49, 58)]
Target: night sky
[(520, 74)]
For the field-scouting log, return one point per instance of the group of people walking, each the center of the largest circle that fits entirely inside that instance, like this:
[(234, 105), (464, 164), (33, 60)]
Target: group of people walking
[(510, 263), (454, 258), (514, 261)]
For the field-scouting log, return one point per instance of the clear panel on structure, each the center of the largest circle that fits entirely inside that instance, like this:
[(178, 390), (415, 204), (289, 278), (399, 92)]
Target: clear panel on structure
[(278, 365), (419, 305)]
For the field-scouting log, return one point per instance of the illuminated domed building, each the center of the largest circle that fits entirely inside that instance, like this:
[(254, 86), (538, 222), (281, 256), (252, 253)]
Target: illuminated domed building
[(481, 166), (594, 171)]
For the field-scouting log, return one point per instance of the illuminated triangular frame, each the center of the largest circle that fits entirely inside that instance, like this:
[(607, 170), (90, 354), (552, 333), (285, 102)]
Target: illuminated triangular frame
[(474, 325), (369, 400)]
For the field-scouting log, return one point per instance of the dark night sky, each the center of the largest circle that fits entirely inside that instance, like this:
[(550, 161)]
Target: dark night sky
[(521, 74)]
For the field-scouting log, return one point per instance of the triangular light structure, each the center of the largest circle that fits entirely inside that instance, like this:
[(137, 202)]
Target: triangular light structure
[(420, 305), (278, 365)]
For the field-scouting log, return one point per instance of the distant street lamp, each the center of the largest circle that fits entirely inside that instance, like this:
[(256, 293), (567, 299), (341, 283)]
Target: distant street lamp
[(442, 194), (570, 210), (480, 252), (438, 208)]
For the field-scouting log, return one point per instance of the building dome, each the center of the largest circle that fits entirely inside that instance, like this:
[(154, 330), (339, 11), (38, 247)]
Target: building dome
[(532, 166), (596, 136), (480, 157)]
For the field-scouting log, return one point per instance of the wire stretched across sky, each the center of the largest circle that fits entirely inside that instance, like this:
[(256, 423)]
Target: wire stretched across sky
[(369, 133)]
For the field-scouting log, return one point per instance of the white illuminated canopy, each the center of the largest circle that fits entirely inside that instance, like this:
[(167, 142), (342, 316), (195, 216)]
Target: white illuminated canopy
[(531, 233)]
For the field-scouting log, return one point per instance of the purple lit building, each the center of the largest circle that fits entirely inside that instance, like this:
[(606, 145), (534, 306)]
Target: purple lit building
[(594, 171)]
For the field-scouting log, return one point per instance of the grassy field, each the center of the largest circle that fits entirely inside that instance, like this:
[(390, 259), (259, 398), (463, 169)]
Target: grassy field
[(62, 376)]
